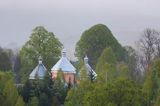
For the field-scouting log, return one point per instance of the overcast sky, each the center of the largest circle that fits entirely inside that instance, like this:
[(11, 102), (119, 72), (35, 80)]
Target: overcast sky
[(67, 19)]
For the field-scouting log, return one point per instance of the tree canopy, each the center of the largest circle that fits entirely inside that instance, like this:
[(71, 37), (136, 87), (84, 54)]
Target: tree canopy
[(41, 43), (119, 92), (94, 40)]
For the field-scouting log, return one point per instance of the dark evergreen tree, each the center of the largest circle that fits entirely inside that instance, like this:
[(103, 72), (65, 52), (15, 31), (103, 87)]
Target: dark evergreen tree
[(27, 91), (16, 68), (44, 100), (5, 64), (33, 102)]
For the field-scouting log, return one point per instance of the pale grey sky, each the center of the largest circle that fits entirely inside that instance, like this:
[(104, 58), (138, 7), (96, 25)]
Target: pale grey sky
[(67, 19)]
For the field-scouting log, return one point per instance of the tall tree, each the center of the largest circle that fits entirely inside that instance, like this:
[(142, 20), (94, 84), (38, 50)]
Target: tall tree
[(94, 40), (10, 93), (27, 91), (4, 77), (41, 43), (147, 45), (16, 68), (151, 85), (106, 66), (5, 64), (60, 89), (133, 64)]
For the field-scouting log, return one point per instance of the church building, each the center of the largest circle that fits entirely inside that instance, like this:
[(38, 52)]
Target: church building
[(39, 71), (67, 69)]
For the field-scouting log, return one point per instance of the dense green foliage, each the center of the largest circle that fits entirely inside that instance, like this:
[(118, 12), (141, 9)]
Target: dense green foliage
[(20, 102), (119, 92), (10, 99), (123, 71), (94, 40), (41, 43), (108, 68), (75, 95), (106, 65), (152, 83), (44, 92), (33, 102), (117, 83), (8, 91), (112, 87), (5, 60)]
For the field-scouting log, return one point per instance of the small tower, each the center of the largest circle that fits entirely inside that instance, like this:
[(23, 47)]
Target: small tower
[(39, 71), (66, 67), (92, 74)]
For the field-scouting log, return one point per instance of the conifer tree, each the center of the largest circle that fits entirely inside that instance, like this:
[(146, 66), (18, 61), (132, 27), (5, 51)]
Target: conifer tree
[(10, 93), (20, 102), (33, 102), (151, 85), (106, 66)]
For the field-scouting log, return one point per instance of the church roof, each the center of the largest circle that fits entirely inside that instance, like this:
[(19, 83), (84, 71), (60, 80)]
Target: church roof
[(39, 71), (64, 65)]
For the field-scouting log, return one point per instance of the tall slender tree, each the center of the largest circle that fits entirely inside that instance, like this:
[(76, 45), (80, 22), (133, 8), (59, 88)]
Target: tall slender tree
[(5, 64), (106, 66)]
